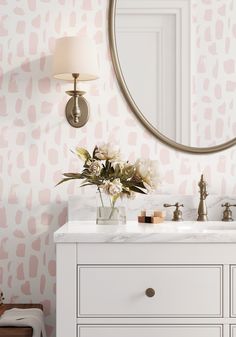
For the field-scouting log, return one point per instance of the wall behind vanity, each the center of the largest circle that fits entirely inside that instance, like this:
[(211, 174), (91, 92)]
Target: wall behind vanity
[(35, 140)]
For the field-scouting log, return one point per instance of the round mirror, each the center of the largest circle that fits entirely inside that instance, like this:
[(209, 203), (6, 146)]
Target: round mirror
[(175, 61)]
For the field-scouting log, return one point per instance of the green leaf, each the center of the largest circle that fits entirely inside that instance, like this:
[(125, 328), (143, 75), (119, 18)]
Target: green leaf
[(82, 153), (117, 170), (133, 182), (94, 152), (86, 184), (137, 190), (139, 184), (64, 180), (73, 175)]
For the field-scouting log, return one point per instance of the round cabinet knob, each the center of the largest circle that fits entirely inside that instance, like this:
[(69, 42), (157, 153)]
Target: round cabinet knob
[(150, 292)]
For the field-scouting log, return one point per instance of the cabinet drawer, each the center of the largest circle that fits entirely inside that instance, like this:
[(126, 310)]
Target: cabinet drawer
[(151, 331), (180, 291)]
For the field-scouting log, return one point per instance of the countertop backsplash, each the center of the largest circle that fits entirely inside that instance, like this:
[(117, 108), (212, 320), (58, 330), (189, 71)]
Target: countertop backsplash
[(84, 207)]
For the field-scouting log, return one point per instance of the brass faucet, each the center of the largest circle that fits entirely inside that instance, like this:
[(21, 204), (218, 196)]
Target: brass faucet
[(202, 208), (177, 214), (227, 214)]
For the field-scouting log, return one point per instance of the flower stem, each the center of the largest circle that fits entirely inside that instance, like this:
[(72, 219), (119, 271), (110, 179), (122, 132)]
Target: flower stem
[(111, 203), (112, 207), (112, 211), (101, 197)]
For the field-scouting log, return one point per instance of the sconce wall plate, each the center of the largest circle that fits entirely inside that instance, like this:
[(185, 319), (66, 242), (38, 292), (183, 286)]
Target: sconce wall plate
[(84, 112)]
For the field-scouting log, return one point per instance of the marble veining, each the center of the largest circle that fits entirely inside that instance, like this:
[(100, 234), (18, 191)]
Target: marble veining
[(83, 207), (132, 232)]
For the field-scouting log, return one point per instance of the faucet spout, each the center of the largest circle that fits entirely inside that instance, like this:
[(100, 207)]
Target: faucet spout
[(202, 208)]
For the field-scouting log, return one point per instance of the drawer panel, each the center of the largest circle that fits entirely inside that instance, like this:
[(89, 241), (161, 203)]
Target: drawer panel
[(180, 291), (233, 291), (151, 331), (233, 331)]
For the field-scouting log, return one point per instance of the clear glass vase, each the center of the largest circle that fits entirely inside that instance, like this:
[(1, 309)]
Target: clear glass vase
[(108, 214)]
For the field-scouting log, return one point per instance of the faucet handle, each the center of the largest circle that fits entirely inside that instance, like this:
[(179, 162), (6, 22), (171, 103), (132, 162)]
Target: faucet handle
[(227, 204), (227, 214), (177, 214)]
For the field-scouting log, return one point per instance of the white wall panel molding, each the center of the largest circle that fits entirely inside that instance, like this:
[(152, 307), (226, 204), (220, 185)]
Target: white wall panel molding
[(172, 68)]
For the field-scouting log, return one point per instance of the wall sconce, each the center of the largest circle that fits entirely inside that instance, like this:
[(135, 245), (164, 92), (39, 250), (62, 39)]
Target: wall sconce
[(75, 59)]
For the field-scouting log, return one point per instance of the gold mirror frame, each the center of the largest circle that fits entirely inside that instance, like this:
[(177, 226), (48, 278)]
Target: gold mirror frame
[(134, 107)]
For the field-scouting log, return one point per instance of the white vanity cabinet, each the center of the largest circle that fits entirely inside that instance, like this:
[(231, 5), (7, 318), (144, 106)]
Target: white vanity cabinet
[(133, 281)]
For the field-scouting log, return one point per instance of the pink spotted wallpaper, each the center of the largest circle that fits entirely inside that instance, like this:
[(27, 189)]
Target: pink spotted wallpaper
[(213, 33), (35, 140)]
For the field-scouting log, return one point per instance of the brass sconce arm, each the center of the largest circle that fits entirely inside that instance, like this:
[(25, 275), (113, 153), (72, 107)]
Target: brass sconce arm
[(75, 111)]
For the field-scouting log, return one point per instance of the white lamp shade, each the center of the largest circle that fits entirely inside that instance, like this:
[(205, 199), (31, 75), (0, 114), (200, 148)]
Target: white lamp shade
[(75, 55)]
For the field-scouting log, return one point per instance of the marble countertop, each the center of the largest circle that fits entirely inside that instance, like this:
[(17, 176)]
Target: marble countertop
[(132, 232)]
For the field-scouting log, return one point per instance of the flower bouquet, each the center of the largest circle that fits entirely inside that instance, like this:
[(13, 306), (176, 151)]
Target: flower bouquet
[(114, 179)]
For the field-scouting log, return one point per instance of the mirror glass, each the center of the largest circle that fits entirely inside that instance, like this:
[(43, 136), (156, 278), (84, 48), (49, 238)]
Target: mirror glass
[(178, 60)]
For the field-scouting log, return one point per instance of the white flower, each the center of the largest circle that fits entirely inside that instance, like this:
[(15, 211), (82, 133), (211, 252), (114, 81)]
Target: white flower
[(108, 152), (113, 187), (128, 168), (147, 171), (117, 163), (95, 167), (125, 167)]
